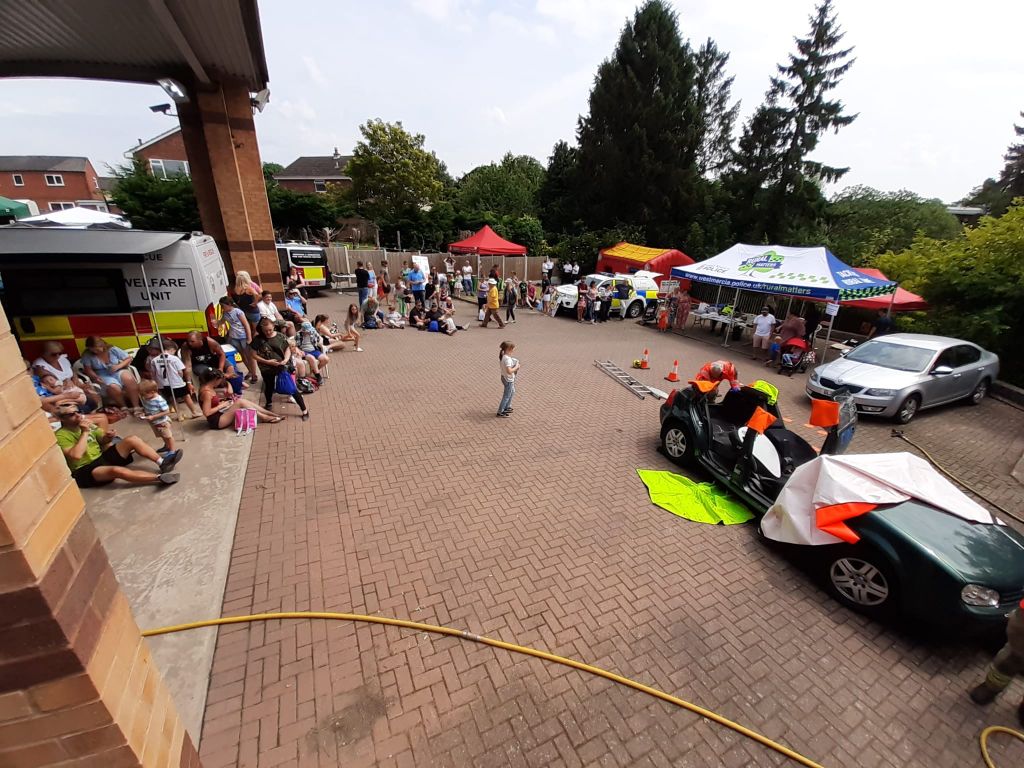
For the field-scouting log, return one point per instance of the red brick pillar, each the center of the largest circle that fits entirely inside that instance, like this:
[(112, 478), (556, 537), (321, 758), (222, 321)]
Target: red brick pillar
[(77, 683), (227, 173)]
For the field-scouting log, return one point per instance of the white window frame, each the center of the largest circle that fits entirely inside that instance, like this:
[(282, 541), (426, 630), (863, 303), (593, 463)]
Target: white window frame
[(18, 179), (163, 176), (61, 206), (54, 179), (319, 185)]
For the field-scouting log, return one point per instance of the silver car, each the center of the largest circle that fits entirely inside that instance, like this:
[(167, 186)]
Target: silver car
[(899, 374)]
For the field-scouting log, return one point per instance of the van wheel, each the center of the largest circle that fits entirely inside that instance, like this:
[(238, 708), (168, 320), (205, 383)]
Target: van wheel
[(634, 310)]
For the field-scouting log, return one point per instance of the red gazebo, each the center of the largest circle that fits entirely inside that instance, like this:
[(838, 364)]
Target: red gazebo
[(901, 301), (487, 242)]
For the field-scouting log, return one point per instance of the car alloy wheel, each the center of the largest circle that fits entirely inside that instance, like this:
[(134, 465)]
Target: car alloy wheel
[(634, 310), (675, 443), (859, 582), (908, 409), (979, 391)]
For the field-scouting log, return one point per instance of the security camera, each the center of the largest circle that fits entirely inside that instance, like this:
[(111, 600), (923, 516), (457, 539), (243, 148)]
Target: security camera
[(259, 100)]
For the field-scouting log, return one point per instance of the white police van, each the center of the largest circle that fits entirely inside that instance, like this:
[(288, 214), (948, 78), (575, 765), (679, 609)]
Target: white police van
[(641, 288)]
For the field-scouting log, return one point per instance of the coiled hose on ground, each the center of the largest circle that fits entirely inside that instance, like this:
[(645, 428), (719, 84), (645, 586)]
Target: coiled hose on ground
[(464, 635)]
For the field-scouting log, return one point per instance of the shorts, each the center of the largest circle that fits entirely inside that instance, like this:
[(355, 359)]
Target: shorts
[(109, 458), (314, 352), (239, 343), (162, 430), (762, 342), (178, 393)]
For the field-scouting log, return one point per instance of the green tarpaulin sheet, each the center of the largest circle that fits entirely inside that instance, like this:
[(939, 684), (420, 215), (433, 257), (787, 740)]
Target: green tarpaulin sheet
[(700, 502), (13, 208)]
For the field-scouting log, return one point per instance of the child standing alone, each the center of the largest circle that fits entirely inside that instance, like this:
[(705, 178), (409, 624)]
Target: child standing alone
[(157, 413), (509, 366)]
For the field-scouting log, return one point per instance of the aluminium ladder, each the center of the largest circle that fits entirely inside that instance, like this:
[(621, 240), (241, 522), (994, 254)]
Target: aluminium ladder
[(638, 388)]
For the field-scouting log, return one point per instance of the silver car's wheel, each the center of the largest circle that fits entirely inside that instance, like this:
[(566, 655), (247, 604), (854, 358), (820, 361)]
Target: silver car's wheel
[(908, 409), (979, 392), (859, 582)]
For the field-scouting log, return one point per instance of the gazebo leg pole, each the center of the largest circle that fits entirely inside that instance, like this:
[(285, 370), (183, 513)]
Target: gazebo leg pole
[(891, 302), (828, 337), (732, 318)]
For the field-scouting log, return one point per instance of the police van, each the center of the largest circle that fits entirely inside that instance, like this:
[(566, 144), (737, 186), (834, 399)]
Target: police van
[(637, 288), (124, 285), (306, 261)]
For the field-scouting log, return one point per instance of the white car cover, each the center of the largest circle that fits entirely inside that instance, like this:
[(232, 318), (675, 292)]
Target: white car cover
[(876, 478)]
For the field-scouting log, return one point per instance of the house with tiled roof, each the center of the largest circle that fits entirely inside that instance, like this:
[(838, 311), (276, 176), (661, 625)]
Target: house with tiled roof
[(314, 173), (51, 182)]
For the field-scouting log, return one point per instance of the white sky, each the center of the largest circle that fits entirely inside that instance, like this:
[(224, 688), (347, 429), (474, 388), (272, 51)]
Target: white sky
[(937, 84)]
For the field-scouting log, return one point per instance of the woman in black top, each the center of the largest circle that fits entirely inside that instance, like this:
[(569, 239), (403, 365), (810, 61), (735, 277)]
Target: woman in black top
[(273, 355)]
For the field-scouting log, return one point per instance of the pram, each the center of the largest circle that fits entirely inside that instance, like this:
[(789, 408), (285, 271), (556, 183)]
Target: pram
[(794, 356)]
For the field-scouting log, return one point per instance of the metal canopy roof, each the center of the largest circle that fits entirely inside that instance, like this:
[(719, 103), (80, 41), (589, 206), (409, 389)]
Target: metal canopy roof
[(32, 246), (194, 41)]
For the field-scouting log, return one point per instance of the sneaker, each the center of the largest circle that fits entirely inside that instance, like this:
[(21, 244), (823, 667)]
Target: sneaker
[(509, 410), (162, 449), (359, 349), (504, 415), (168, 462), (169, 478), (983, 693)]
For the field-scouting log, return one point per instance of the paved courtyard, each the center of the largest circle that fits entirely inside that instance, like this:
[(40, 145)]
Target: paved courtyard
[(404, 496)]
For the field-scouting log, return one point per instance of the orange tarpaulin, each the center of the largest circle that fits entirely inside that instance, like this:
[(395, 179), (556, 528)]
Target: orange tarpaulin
[(832, 519), (760, 420)]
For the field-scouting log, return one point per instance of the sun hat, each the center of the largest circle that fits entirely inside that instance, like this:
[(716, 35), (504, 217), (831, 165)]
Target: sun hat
[(492, 281)]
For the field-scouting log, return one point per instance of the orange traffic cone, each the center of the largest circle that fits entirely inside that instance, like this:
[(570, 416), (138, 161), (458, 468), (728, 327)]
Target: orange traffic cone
[(645, 362), (673, 375)]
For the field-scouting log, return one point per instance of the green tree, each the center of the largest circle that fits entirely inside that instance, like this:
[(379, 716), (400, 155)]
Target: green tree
[(158, 204), (269, 170), (994, 195), (974, 283), (862, 222), (557, 194), (524, 230), (991, 196), (292, 212), (773, 166), (713, 91), (640, 142), (393, 176), (508, 188)]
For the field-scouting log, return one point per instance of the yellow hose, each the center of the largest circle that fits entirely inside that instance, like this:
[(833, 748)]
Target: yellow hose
[(984, 740), (764, 740)]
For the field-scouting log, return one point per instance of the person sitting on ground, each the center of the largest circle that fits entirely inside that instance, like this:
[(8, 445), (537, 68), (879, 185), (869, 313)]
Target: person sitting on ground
[(351, 326), (217, 405), (310, 344), (372, 316), (329, 334), (447, 323), (298, 360), (157, 413), (393, 319), (417, 316), (168, 369), (719, 371), (107, 366), (200, 353), (97, 457), (273, 355)]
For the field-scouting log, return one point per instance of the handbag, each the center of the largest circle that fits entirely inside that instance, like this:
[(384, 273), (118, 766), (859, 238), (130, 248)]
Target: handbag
[(285, 384), (481, 315), (245, 420)]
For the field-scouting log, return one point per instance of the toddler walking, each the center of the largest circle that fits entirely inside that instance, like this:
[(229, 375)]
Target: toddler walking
[(157, 413)]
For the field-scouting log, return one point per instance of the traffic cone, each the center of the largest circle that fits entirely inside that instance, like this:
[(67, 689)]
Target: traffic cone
[(673, 375), (645, 363)]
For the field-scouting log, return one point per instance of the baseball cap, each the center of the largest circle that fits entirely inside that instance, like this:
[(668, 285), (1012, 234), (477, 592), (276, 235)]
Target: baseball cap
[(66, 409), (492, 281)]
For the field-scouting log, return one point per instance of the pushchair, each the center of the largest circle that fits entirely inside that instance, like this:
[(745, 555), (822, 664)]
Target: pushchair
[(794, 356)]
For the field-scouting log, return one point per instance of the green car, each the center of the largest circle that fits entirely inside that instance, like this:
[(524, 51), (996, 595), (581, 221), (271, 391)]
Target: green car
[(912, 560)]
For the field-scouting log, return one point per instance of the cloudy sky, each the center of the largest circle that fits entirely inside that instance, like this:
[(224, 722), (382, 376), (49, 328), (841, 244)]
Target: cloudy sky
[(936, 85)]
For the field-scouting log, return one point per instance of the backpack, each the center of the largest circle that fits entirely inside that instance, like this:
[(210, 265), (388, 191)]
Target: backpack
[(306, 386)]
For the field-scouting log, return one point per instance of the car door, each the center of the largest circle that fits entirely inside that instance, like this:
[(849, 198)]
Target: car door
[(968, 370), (940, 388)]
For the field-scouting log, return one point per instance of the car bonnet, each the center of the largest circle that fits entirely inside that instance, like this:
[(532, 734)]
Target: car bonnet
[(990, 555), (867, 375)]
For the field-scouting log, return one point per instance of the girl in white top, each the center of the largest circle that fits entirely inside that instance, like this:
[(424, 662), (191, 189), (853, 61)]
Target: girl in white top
[(509, 367)]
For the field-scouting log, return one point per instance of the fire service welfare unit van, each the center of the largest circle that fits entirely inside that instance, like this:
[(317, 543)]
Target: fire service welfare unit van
[(124, 285)]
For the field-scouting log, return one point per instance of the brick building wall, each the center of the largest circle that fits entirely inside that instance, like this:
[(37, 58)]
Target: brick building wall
[(77, 682), (77, 186), (168, 148)]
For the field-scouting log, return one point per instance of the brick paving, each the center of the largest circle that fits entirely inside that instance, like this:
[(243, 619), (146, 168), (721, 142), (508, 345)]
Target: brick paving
[(405, 496)]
